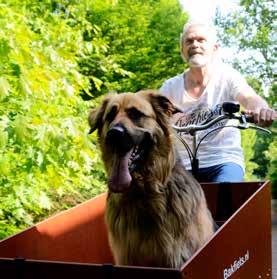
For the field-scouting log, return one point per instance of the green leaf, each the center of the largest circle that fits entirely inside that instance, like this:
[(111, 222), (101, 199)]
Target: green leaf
[(4, 87), (4, 49), (44, 201)]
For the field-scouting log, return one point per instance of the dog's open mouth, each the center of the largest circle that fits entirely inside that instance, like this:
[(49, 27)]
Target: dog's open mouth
[(125, 164), (136, 157)]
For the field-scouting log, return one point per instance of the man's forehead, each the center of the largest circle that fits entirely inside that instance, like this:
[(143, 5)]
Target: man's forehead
[(197, 30), (200, 30)]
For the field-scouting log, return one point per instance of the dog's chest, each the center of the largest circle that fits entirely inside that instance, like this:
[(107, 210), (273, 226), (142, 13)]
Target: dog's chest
[(124, 217)]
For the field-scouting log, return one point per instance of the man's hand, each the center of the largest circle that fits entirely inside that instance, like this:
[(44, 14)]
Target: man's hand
[(263, 117), (257, 107)]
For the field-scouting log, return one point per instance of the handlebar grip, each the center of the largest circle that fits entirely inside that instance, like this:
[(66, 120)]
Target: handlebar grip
[(249, 118)]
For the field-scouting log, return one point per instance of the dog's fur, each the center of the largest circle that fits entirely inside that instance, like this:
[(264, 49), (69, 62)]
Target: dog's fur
[(156, 211)]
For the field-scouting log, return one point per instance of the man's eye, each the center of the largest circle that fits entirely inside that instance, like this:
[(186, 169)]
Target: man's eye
[(134, 114)]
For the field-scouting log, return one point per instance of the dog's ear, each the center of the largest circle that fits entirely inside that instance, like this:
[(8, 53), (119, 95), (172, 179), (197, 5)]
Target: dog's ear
[(95, 118), (162, 103)]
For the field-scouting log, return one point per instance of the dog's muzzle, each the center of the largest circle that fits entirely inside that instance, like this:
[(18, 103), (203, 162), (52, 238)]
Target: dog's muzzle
[(128, 153), (119, 139)]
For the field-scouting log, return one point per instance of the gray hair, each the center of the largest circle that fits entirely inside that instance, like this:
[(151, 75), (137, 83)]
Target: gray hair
[(211, 31)]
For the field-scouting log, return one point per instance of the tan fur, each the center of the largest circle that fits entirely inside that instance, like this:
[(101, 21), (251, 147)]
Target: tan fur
[(163, 218)]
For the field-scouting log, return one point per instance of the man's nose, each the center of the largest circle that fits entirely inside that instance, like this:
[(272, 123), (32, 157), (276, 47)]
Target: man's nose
[(195, 43)]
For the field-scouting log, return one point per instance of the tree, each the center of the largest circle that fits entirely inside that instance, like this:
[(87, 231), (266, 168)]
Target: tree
[(47, 161), (251, 29), (141, 40)]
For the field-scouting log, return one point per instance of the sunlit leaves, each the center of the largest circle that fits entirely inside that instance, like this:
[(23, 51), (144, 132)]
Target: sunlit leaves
[(141, 44), (47, 161), (4, 87)]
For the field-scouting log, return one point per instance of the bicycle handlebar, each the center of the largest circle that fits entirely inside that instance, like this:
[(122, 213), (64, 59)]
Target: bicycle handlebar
[(229, 110)]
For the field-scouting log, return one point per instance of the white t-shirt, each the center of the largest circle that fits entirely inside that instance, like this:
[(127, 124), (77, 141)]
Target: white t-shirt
[(222, 145)]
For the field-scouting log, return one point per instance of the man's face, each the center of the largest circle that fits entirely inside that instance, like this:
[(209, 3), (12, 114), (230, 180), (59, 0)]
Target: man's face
[(198, 46)]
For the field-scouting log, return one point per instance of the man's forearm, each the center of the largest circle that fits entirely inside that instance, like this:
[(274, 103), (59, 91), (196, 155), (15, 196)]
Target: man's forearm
[(257, 107), (256, 103), (252, 101)]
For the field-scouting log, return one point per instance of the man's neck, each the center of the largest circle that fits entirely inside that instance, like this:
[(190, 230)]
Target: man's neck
[(196, 80), (199, 76)]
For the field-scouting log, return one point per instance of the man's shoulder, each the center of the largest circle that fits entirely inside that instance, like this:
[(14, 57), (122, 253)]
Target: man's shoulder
[(175, 79), (173, 86)]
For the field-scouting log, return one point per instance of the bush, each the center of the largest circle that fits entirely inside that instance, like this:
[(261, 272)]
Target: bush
[(47, 160)]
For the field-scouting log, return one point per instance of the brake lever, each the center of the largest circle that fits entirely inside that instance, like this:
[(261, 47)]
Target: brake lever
[(266, 131), (243, 126), (249, 126)]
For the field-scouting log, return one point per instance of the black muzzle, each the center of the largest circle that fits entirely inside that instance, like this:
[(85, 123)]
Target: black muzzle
[(119, 139)]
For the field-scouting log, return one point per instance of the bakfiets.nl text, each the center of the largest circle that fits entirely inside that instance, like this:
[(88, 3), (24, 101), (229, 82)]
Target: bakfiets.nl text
[(237, 264)]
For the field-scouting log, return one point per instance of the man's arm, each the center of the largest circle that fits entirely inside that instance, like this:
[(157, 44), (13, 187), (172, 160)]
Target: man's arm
[(256, 106)]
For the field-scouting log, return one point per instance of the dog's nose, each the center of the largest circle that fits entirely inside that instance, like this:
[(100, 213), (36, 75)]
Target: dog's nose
[(117, 130), (119, 138)]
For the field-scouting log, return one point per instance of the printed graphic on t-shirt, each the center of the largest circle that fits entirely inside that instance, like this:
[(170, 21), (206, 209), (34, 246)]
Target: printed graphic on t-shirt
[(198, 116), (222, 145)]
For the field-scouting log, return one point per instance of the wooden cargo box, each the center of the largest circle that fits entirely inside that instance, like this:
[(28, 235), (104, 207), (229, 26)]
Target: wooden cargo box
[(74, 244)]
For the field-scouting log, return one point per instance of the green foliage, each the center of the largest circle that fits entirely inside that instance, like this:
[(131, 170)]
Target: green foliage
[(47, 161), (271, 155), (141, 39), (252, 28), (248, 141)]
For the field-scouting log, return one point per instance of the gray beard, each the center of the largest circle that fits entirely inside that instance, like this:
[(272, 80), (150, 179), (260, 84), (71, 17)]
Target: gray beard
[(197, 61)]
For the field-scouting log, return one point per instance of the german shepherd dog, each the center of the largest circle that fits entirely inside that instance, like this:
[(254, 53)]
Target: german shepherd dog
[(156, 212)]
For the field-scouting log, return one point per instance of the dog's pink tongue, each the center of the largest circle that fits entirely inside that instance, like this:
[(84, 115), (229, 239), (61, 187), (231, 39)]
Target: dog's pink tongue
[(120, 178)]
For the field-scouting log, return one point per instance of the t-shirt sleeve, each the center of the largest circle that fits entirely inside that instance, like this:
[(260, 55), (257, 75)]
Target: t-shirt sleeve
[(237, 83)]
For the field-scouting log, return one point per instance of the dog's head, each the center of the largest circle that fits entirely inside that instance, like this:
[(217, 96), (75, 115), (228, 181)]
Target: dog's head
[(129, 125)]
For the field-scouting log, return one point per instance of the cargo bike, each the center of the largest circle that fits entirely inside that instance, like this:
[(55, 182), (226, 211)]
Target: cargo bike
[(74, 243)]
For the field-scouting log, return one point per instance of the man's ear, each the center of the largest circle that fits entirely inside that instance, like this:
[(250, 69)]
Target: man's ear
[(164, 104), (95, 118)]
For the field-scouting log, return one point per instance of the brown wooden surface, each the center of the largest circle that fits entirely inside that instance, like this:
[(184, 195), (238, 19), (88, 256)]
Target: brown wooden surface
[(248, 230), (79, 235), (76, 235), (225, 198), (274, 238)]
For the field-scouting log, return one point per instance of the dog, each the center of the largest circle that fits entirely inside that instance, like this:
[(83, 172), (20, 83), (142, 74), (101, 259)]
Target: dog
[(156, 212)]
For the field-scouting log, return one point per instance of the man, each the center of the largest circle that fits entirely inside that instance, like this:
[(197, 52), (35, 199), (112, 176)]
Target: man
[(200, 91)]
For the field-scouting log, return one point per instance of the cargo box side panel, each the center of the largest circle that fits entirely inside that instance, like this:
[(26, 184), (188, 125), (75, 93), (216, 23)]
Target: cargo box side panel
[(76, 235), (241, 248), (225, 198)]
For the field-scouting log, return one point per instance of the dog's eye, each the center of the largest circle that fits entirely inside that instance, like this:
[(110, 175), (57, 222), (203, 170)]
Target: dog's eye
[(134, 114), (111, 114)]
